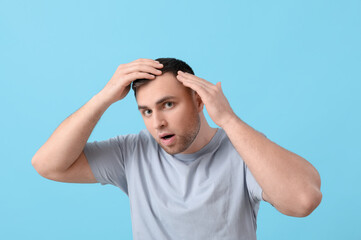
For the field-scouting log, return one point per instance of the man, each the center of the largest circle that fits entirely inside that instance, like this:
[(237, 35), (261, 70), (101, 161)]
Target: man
[(184, 179)]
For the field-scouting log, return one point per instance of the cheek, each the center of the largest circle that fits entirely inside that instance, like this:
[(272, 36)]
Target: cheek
[(148, 125), (184, 116), (179, 115)]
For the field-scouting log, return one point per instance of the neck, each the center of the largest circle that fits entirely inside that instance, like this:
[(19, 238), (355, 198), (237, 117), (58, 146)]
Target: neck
[(204, 136)]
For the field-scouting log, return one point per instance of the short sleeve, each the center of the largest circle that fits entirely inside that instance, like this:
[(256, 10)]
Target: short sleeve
[(254, 189), (106, 161)]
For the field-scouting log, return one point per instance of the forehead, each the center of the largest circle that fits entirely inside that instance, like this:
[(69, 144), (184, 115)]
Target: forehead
[(162, 86)]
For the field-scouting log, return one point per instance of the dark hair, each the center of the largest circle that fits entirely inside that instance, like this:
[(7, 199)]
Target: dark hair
[(172, 65)]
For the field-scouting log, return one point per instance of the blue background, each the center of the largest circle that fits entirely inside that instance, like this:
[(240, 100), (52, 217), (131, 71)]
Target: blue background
[(291, 69)]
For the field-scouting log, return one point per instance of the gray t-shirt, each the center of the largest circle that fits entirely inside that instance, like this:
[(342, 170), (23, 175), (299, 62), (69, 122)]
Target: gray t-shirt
[(209, 194)]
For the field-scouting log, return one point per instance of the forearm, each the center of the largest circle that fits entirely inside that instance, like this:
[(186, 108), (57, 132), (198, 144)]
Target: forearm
[(290, 182), (68, 140)]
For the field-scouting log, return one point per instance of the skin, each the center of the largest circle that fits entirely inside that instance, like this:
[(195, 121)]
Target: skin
[(61, 158), (168, 107), (289, 182)]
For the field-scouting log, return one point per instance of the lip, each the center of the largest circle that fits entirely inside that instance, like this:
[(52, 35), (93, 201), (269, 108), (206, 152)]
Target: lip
[(164, 134), (168, 141)]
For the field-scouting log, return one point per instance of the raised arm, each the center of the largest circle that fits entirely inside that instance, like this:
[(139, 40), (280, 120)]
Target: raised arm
[(289, 182), (61, 158)]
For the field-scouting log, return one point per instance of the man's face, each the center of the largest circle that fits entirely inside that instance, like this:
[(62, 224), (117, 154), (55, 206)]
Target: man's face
[(170, 112)]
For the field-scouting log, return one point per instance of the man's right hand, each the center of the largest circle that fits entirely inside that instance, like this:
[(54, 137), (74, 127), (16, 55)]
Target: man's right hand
[(62, 157), (119, 85)]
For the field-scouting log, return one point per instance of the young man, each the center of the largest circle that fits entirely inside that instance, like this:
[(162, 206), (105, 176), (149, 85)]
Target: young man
[(184, 179)]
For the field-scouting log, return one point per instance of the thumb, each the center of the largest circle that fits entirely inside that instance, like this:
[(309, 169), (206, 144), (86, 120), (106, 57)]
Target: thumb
[(219, 85)]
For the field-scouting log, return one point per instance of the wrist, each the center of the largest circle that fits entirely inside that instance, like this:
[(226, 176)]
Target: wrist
[(230, 122), (104, 98)]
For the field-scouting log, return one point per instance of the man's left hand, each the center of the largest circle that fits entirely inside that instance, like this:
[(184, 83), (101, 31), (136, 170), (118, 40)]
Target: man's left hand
[(212, 96)]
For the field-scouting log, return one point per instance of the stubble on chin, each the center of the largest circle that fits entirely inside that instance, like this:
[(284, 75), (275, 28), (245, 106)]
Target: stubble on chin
[(185, 141)]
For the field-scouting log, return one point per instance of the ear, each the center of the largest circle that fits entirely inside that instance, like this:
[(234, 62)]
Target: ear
[(198, 101)]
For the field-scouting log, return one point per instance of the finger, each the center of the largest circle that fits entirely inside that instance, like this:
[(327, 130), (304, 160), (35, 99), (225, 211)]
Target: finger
[(219, 85), (143, 60), (209, 87), (150, 62), (195, 78), (196, 86), (206, 85), (138, 67), (138, 75), (183, 77)]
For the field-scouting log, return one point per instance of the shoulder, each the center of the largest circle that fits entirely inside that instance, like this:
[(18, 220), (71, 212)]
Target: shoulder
[(226, 148), (141, 139), (223, 138)]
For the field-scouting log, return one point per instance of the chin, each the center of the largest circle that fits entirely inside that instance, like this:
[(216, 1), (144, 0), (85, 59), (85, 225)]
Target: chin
[(171, 151), (174, 150)]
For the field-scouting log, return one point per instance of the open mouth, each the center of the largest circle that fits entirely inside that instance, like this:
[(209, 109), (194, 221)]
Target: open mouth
[(167, 136), (168, 139)]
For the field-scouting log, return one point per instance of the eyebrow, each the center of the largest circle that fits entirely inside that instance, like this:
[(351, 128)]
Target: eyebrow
[(163, 99)]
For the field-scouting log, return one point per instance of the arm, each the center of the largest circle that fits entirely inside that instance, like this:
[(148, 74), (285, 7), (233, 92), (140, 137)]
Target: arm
[(58, 158), (289, 182)]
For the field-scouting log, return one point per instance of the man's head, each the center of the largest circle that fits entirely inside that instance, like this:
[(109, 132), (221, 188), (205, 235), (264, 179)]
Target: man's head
[(171, 65), (171, 111)]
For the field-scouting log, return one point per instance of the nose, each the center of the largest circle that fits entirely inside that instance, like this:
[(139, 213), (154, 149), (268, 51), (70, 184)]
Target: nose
[(159, 120)]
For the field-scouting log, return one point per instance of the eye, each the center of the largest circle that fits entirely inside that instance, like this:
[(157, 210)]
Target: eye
[(147, 112), (168, 104)]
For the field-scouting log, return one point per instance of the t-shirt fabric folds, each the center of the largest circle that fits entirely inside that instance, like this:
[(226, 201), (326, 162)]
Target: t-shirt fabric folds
[(210, 194)]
